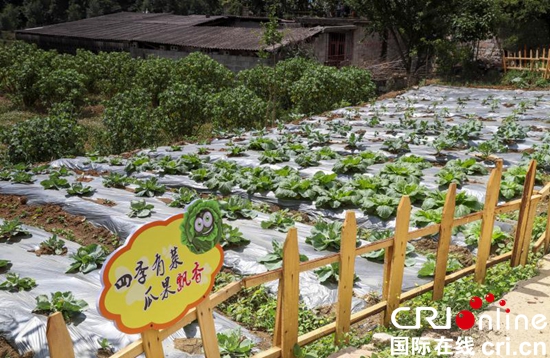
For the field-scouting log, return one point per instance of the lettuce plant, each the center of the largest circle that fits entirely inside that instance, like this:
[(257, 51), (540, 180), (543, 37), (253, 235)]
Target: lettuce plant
[(467, 166), (16, 283), (12, 228), (140, 209), (232, 237), (87, 258), (182, 197), (326, 235), (380, 205), (278, 221), (404, 171), (447, 176), (149, 188), (116, 180), (234, 345), (428, 268), (274, 259), (309, 159), (331, 273), (351, 164), (274, 156), (465, 204), (237, 208), (80, 190), (63, 302)]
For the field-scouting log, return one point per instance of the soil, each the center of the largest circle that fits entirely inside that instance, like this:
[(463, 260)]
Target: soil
[(91, 172), (7, 350), (84, 179), (48, 251), (104, 353), (188, 345), (53, 218), (100, 201), (427, 245), (390, 95)]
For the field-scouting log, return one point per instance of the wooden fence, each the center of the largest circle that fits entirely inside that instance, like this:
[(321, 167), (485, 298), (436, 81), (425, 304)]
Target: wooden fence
[(286, 336), (535, 61)]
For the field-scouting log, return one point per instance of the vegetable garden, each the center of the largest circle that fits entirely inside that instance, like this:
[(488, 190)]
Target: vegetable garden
[(305, 175)]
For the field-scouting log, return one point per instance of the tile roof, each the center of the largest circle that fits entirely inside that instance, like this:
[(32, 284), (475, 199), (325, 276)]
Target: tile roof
[(166, 29)]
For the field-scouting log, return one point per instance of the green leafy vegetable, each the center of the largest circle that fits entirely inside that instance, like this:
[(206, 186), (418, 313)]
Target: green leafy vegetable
[(274, 259), (140, 209), (279, 221), (15, 283), (63, 302), (87, 258)]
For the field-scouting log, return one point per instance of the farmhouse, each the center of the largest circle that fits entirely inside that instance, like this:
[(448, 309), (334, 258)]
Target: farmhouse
[(232, 40)]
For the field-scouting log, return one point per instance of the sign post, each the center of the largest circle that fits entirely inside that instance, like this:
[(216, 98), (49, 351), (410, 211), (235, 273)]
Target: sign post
[(164, 269)]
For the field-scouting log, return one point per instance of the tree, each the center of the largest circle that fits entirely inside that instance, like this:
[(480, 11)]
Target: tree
[(9, 18), (417, 27), (524, 22)]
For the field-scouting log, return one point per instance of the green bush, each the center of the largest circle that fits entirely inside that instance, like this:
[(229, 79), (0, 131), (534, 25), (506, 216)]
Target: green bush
[(182, 108), (129, 123), (43, 139), (61, 86), (154, 75), (237, 107), (322, 88), (203, 71), (259, 79)]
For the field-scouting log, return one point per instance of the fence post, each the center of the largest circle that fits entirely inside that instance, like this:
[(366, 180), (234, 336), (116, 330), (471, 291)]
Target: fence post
[(547, 237), (59, 340), (152, 344), (278, 313), (345, 279), (488, 222), (529, 229), (208, 328), (504, 60), (524, 215), (395, 279), (445, 231), (291, 294)]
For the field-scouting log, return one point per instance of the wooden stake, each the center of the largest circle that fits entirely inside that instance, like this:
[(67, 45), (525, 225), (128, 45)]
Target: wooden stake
[(488, 221), (398, 257), (388, 254), (277, 330), (152, 344), (529, 230), (524, 214), (208, 328), (59, 340), (345, 280), (445, 231), (291, 294), (547, 237)]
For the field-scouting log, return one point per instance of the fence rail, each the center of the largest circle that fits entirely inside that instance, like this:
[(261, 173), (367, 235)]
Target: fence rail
[(285, 335), (534, 61)]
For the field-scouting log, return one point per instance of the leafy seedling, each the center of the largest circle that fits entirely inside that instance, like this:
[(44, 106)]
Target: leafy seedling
[(232, 237), (309, 159), (12, 228), (55, 182), (53, 246), (428, 268), (183, 197), (80, 190), (116, 180), (63, 302), (237, 208), (87, 258), (140, 209), (150, 188), (274, 259), (21, 177), (234, 345), (331, 273), (4, 264), (279, 221), (16, 283), (326, 235)]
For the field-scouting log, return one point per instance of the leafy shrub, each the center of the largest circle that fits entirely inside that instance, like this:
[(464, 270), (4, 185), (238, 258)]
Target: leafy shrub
[(87, 258), (129, 123), (428, 268), (140, 209), (43, 139), (204, 72), (62, 85), (234, 345), (237, 107), (154, 75), (63, 302), (15, 283), (274, 259), (182, 109)]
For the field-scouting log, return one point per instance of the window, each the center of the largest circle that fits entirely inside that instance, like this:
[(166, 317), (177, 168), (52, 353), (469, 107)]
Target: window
[(336, 49)]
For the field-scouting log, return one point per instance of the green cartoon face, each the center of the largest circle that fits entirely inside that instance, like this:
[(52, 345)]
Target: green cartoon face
[(202, 226)]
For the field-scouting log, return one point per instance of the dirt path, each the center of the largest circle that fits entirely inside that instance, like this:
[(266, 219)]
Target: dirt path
[(530, 298)]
